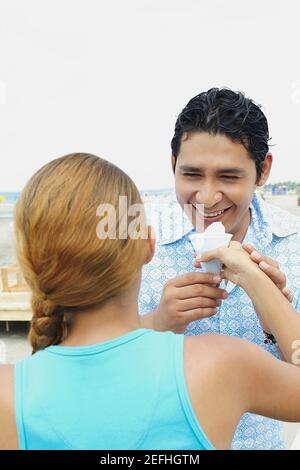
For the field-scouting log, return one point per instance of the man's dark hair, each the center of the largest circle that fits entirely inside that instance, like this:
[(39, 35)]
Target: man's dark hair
[(223, 111)]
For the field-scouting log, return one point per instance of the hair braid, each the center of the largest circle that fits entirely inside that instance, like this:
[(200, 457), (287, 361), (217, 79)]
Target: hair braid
[(47, 325)]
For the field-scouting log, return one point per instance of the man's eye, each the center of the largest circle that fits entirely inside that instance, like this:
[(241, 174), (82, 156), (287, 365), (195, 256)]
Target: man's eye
[(230, 177), (190, 174)]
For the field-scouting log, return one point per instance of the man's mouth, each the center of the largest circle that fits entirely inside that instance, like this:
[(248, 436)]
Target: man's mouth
[(212, 216)]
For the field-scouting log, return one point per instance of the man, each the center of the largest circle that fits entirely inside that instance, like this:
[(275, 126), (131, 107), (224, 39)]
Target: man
[(220, 155)]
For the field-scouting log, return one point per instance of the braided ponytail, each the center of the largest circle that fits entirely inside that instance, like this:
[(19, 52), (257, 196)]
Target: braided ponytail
[(47, 324)]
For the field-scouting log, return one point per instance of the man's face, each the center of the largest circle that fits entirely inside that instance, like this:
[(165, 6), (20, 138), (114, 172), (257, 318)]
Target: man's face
[(214, 171)]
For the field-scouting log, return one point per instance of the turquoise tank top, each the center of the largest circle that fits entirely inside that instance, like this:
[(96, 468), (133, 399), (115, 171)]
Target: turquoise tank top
[(126, 393)]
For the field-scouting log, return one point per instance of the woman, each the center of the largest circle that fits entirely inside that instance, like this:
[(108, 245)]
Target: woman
[(97, 379)]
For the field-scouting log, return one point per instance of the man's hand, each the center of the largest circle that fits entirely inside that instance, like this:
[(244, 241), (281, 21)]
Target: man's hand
[(271, 268), (192, 296)]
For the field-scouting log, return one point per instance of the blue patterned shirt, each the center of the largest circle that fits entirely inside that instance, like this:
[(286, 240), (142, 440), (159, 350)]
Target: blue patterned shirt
[(275, 233)]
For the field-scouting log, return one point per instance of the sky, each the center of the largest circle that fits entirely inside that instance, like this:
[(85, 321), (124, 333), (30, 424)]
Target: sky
[(110, 77)]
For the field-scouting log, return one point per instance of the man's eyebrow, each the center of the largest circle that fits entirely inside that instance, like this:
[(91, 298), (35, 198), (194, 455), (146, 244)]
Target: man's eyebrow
[(190, 168), (232, 171)]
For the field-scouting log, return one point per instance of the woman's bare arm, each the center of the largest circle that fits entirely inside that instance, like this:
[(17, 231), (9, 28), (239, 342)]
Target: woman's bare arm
[(228, 376), (278, 313), (270, 387), (274, 308), (8, 434)]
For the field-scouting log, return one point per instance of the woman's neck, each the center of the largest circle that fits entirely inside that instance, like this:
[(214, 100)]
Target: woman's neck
[(116, 318)]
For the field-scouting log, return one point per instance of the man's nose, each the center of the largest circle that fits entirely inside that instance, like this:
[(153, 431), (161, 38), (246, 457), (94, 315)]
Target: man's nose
[(209, 196)]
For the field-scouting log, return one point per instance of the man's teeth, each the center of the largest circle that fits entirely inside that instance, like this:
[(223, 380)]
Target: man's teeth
[(214, 214)]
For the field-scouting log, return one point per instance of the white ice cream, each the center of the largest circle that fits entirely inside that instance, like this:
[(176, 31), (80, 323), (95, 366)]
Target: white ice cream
[(213, 237), (217, 228)]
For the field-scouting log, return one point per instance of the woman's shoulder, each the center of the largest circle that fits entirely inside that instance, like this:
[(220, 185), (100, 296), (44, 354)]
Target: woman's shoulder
[(215, 348), (6, 382), (9, 439), (224, 364), (212, 366), (227, 364), (209, 346)]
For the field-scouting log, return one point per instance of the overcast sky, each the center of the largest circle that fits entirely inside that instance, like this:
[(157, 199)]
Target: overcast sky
[(110, 77)]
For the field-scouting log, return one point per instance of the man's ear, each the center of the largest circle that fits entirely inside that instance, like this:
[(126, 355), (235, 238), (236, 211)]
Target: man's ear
[(173, 162), (266, 168), (151, 244)]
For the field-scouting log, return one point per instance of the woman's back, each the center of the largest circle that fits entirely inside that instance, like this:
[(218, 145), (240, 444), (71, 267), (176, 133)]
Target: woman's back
[(126, 393), (143, 390)]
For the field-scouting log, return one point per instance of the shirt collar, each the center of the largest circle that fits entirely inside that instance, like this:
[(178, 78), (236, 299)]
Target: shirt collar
[(278, 221)]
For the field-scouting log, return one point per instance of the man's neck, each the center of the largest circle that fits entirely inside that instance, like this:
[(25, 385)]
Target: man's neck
[(241, 233)]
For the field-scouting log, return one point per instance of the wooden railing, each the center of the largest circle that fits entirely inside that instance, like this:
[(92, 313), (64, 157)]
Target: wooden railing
[(14, 296), (19, 285)]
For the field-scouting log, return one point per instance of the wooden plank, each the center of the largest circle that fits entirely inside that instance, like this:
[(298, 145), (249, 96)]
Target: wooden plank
[(15, 315)]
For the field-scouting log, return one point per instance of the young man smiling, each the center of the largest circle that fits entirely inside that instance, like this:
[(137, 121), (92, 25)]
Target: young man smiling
[(220, 155)]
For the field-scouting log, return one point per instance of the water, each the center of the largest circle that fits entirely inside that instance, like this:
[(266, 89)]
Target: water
[(10, 197)]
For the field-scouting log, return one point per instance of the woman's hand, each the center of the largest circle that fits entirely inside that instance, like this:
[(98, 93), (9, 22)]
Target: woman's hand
[(272, 269), (238, 265), (237, 261)]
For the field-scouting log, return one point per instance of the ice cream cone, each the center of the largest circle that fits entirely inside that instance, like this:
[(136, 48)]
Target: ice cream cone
[(210, 240)]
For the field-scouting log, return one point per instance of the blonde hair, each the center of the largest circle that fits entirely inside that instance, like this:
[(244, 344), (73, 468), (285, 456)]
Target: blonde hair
[(66, 265)]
